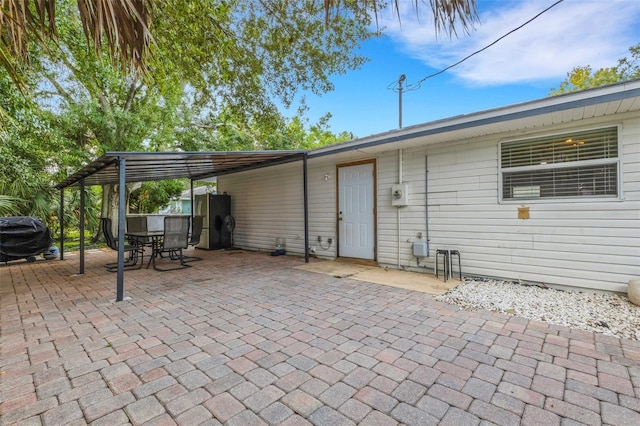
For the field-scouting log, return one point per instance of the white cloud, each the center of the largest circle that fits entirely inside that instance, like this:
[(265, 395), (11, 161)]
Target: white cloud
[(573, 33)]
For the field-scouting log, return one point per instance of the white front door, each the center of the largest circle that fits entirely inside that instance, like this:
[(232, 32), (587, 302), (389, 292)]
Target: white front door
[(356, 207)]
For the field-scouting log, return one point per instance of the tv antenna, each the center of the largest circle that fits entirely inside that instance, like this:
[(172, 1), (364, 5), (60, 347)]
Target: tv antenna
[(401, 80)]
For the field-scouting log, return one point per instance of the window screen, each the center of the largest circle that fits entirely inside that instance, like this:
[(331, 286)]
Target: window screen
[(580, 164)]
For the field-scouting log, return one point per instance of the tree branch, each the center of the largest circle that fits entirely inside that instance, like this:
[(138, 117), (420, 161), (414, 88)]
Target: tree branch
[(60, 91), (104, 103), (133, 89), (88, 84)]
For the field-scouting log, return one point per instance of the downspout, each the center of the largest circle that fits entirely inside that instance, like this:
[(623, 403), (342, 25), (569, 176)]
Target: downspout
[(398, 209)]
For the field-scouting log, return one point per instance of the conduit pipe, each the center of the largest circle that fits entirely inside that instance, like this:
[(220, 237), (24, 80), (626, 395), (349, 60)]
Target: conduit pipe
[(426, 199), (398, 209), (426, 207)]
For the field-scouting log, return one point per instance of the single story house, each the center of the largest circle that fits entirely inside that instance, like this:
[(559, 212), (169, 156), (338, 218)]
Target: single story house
[(546, 191), (182, 204)]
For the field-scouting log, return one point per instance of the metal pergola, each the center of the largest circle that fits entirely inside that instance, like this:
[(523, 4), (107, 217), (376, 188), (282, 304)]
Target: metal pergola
[(123, 167)]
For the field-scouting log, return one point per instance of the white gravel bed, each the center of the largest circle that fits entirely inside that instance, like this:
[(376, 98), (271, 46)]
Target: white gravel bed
[(609, 314)]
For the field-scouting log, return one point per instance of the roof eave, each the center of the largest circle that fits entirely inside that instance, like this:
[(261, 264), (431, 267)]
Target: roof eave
[(559, 103)]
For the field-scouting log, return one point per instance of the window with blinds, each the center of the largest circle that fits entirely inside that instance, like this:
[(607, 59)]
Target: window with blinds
[(580, 164)]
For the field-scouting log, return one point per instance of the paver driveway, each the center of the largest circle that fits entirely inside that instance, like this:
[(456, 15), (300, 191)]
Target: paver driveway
[(246, 339)]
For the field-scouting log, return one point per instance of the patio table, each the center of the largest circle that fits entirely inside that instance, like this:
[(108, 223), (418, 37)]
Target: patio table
[(171, 239), (144, 236)]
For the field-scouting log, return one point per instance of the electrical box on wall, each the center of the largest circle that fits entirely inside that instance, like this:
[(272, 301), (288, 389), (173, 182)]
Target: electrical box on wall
[(400, 195), (420, 249)]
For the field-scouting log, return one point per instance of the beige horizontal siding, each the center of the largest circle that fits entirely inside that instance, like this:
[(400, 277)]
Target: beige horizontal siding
[(268, 204), (593, 244), (583, 243)]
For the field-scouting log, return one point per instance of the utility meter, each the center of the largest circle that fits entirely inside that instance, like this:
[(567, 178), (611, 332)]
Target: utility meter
[(400, 195)]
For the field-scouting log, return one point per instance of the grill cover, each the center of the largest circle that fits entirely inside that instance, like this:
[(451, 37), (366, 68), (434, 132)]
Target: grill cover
[(22, 237)]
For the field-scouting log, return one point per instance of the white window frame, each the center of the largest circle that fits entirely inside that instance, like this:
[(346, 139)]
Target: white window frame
[(581, 198)]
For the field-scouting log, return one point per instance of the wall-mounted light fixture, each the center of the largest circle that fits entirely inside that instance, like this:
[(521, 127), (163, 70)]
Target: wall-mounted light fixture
[(326, 177)]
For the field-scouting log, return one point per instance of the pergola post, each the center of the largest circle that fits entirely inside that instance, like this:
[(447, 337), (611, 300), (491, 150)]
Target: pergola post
[(121, 226), (61, 219), (192, 199), (82, 201), (306, 207)]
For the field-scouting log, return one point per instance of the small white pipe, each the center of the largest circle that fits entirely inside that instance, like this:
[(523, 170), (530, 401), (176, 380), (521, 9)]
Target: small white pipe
[(398, 209), (400, 166), (426, 199)]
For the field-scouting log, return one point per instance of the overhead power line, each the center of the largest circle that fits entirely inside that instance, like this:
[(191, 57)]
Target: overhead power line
[(416, 86)]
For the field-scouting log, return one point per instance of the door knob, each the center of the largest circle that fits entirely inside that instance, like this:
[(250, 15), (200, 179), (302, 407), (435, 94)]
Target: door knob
[(340, 216)]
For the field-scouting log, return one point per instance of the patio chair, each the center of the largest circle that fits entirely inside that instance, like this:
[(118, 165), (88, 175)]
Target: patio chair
[(138, 224), (194, 238), (173, 241), (135, 250)]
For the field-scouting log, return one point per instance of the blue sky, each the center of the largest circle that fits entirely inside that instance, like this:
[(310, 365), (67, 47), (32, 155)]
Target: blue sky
[(522, 67)]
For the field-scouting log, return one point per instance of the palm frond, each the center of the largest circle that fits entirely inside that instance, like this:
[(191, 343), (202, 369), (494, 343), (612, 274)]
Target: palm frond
[(122, 25), (9, 206), (19, 24), (448, 14)]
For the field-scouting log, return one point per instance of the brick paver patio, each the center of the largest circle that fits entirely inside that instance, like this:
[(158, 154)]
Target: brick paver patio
[(246, 339)]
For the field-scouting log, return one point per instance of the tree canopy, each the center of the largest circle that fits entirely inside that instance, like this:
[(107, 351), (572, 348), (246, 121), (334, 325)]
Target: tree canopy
[(584, 77), (123, 26), (79, 79)]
